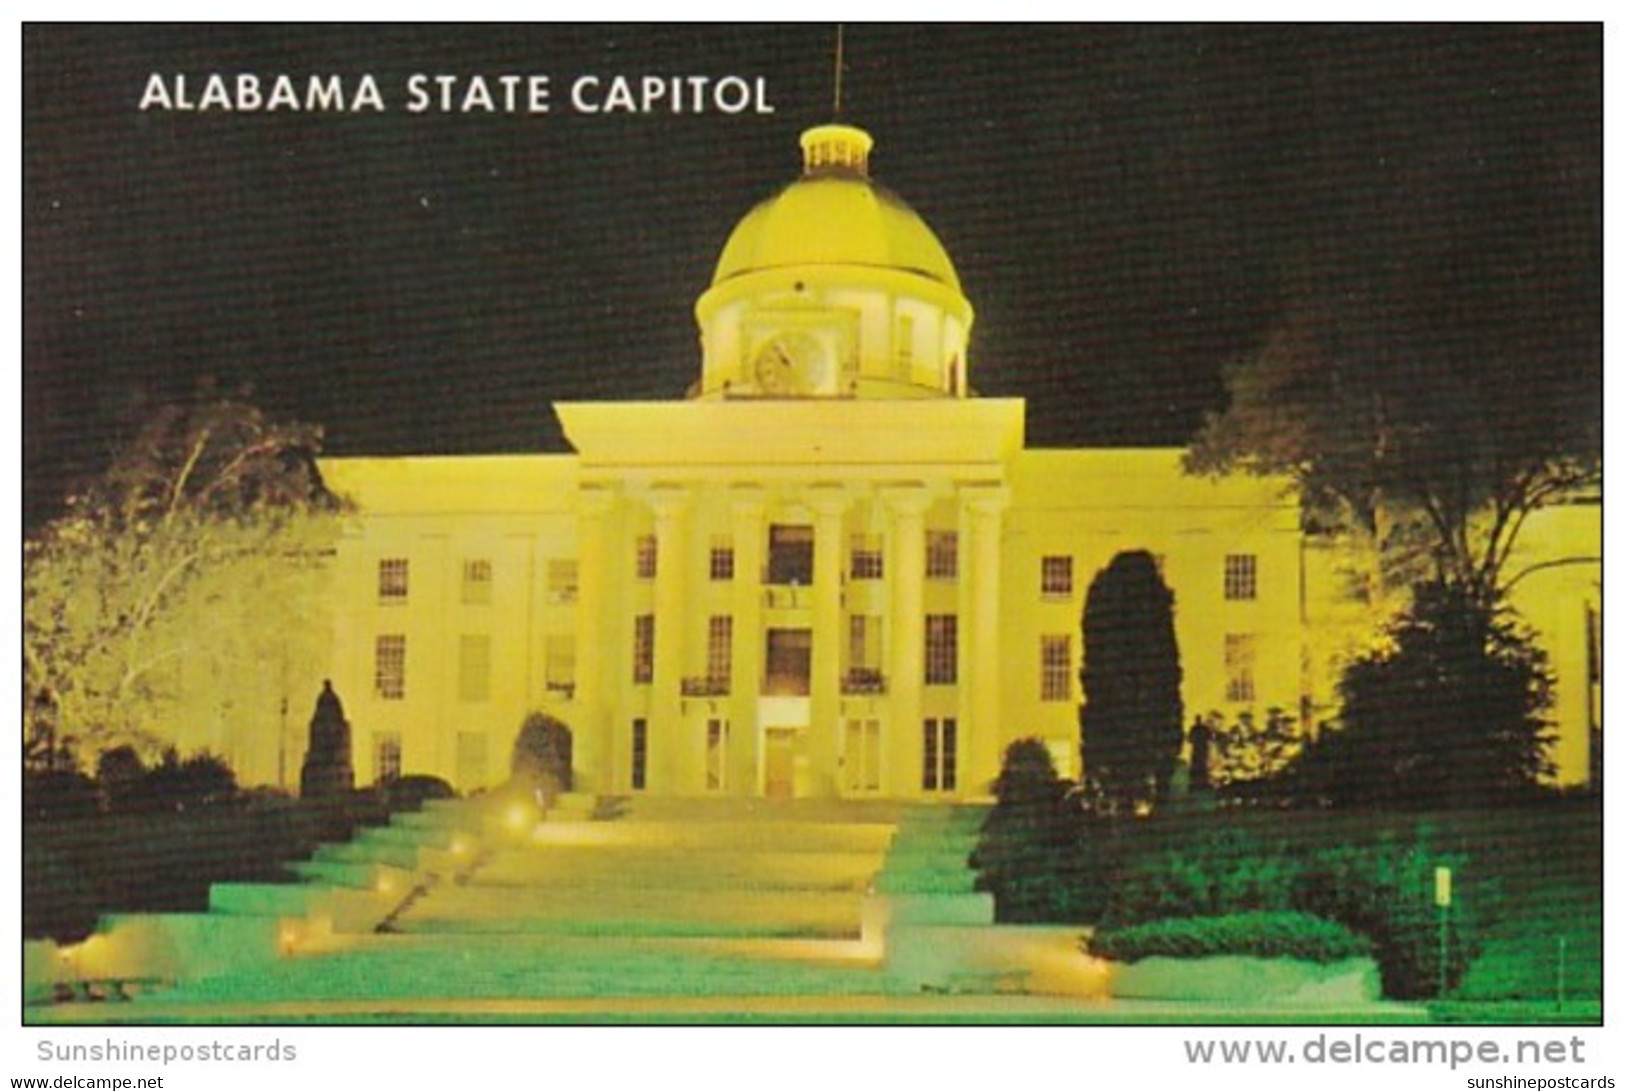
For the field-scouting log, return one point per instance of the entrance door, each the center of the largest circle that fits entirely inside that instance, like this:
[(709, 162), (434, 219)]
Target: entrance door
[(779, 762), (860, 761)]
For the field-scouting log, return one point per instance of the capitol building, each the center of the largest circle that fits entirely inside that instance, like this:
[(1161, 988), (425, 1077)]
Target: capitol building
[(832, 570)]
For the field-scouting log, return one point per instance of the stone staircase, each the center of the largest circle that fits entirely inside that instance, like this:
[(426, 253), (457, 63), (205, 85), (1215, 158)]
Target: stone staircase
[(635, 898)]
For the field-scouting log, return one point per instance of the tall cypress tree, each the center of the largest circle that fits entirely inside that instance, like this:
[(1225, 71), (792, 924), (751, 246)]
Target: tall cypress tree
[(1131, 720)]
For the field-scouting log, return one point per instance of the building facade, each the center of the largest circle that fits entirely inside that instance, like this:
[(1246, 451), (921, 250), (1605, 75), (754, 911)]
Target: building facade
[(830, 571)]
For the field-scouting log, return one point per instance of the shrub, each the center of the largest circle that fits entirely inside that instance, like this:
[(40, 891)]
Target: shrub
[(1450, 712), (1221, 873), (542, 754), (1253, 935), (177, 784), (408, 793), (1385, 893), (1039, 856)]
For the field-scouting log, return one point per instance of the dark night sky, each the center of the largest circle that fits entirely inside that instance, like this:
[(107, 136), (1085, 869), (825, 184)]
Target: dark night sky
[(1129, 208)]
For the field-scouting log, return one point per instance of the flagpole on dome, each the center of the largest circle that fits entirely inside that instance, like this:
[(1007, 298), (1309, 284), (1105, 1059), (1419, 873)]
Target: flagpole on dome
[(840, 53)]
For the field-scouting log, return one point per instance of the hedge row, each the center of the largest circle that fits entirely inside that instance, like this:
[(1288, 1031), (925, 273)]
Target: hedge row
[(1256, 935)]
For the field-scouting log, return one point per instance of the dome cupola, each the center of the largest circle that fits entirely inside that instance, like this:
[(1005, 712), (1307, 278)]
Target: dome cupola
[(834, 287)]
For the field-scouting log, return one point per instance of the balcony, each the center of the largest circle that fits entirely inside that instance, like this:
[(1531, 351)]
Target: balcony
[(863, 682), (563, 691), (705, 687), (787, 597)]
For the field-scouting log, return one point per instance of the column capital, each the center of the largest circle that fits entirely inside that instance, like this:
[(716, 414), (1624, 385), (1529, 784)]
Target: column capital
[(827, 500), (597, 501), (746, 500), (984, 498), (669, 500), (907, 498)]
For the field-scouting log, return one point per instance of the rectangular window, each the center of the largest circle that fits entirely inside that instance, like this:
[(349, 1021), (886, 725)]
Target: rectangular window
[(643, 649), (476, 582), (903, 357), (561, 664), (640, 754), (1055, 579), (790, 556), (1055, 655), (474, 668), (1240, 577), (471, 755), (1240, 660), (648, 556), (719, 652), (941, 649), (789, 663), (868, 559), (941, 555), (389, 667), (940, 771), (563, 581), (722, 558), (386, 756), (392, 576), (863, 645), (716, 755)]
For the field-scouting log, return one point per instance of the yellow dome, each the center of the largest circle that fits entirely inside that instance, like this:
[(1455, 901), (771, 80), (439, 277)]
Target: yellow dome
[(835, 215)]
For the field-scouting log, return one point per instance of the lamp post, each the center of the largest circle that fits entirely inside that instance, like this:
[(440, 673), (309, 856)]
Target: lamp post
[(1441, 900)]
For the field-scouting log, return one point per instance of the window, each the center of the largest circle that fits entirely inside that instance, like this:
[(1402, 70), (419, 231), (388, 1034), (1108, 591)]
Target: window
[(643, 649), (716, 755), (1240, 656), (790, 556), (389, 667), (1241, 577), (941, 555), (648, 556), (903, 358), (476, 582), (940, 772), (386, 756), (1055, 577), (563, 581), (722, 558), (1055, 656), (719, 651), (474, 668), (561, 664), (789, 663), (640, 754), (867, 557), (392, 574), (471, 756), (863, 644), (941, 649)]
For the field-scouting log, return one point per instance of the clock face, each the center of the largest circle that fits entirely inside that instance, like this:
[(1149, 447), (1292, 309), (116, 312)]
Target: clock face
[(794, 361)]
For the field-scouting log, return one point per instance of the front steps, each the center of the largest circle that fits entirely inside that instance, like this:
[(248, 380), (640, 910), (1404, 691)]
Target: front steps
[(635, 897)]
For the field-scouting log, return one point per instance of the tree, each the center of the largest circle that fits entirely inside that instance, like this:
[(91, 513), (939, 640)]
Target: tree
[(1449, 712), (1426, 435), (1132, 716), (179, 592)]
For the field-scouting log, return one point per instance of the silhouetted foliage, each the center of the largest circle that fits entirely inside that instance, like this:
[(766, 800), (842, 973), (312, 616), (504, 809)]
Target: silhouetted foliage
[(1247, 751), (179, 784), (410, 792), (542, 754), (1131, 722), (1450, 712)]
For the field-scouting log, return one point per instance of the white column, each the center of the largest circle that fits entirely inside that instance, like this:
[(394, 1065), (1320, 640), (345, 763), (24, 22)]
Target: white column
[(670, 757), (905, 571), (745, 689), (593, 731), (982, 508), (823, 746)]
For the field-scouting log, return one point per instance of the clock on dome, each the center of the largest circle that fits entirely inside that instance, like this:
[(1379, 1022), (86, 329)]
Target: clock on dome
[(794, 362)]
